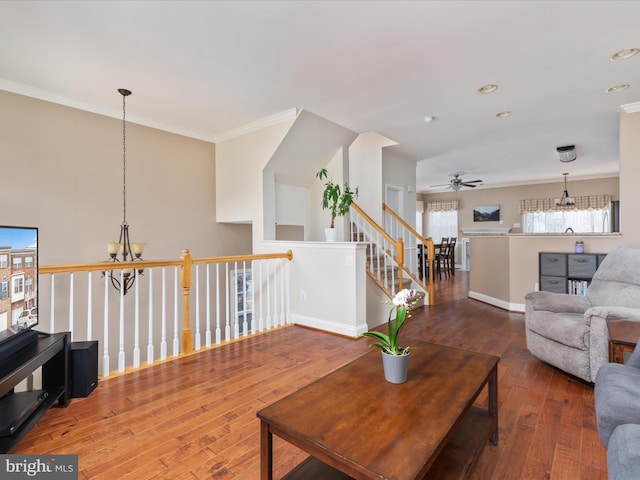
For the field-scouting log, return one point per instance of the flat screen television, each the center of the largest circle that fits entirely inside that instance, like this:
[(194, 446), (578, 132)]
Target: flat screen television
[(18, 281)]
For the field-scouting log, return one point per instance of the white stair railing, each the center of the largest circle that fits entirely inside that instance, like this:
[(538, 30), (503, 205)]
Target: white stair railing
[(239, 291)]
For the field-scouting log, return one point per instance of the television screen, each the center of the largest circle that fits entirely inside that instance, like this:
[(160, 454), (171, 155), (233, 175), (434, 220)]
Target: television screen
[(18, 280)]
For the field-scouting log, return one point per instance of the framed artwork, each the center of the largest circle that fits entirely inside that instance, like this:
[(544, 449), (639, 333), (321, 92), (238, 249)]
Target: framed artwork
[(486, 213)]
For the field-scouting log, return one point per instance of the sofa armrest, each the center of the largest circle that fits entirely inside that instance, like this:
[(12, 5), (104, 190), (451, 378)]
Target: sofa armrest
[(556, 302)]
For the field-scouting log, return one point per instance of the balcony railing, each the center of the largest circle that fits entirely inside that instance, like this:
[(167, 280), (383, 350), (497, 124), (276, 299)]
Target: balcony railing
[(175, 307)]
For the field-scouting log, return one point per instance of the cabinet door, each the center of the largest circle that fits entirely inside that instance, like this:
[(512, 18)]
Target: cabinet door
[(582, 265), (553, 284), (553, 264)]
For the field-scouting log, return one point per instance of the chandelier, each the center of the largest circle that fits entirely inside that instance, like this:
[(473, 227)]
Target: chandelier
[(565, 200), (123, 279)]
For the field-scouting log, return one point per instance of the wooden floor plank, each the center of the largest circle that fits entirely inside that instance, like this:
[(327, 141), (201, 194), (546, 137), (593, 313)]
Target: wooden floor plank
[(194, 417)]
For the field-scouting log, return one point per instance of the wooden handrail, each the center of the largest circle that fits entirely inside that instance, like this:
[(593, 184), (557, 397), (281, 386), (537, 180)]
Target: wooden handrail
[(373, 223), (401, 221), (140, 264)]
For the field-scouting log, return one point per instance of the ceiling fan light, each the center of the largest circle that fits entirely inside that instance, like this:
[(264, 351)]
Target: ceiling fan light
[(617, 88), (567, 153), (624, 54), (487, 89)]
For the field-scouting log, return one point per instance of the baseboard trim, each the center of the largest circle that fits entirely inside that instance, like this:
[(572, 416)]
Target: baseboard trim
[(496, 302), (328, 326)]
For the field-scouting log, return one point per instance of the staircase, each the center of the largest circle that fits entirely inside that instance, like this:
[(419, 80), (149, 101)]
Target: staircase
[(386, 264)]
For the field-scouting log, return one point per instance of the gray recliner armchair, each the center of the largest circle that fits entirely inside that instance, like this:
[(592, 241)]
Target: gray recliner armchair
[(570, 331)]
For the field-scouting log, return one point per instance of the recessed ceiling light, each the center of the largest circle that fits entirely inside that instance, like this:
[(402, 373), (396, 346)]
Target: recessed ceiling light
[(429, 118), (503, 114), (617, 88), (624, 54), (488, 89)]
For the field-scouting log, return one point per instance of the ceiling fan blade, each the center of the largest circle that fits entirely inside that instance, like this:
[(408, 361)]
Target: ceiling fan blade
[(441, 185), (473, 181), (469, 185)]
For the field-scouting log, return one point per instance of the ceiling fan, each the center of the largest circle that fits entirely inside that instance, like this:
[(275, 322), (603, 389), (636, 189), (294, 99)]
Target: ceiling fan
[(456, 183)]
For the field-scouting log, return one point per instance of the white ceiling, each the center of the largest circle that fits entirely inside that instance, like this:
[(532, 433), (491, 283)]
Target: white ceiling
[(202, 68)]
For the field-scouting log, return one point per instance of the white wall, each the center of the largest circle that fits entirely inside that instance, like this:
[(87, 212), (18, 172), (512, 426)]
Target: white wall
[(328, 285), (292, 205), (401, 172), (365, 171), (240, 162)]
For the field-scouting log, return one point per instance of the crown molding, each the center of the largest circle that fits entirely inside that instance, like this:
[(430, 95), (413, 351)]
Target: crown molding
[(287, 115), (32, 92), (631, 107)]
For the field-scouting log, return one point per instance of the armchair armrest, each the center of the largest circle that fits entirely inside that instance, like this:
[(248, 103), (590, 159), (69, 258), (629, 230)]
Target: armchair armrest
[(557, 302), (611, 312)]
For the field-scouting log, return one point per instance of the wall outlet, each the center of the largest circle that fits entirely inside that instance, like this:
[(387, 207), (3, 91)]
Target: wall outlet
[(303, 296)]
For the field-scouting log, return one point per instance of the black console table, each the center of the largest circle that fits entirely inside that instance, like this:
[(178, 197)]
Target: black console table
[(51, 352)]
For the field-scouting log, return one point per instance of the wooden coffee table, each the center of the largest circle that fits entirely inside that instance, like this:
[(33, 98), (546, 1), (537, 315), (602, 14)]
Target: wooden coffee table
[(355, 424)]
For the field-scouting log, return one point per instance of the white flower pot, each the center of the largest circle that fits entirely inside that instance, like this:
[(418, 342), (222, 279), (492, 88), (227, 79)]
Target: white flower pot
[(331, 234)]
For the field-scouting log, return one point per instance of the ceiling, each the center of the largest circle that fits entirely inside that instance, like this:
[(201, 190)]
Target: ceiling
[(204, 68)]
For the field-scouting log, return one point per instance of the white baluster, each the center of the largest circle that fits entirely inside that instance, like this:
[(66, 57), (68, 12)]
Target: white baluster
[(227, 327), (71, 304), (52, 320), (245, 325), (197, 319), (89, 306), (176, 333), (136, 323), (253, 300), (105, 321), (236, 320), (288, 282), (163, 326), (150, 353), (276, 315), (268, 294), (121, 357), (282, 292), (259, 283), (207, 336), (218, 331)]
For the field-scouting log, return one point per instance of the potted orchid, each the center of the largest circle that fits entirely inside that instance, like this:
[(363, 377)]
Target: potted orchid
[(395, 358)]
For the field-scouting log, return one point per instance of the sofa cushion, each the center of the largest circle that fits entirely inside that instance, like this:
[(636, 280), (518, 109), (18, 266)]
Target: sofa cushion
[(617, 398), (623, 456), (570, 329)]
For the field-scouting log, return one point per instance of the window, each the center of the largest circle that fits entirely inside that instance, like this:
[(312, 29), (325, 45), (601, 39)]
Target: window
[(580, 221), (28, 262), (442, 220), (4, 289), (17, 262), (4, 260), (591, 214), (29, 284), (18, 286)]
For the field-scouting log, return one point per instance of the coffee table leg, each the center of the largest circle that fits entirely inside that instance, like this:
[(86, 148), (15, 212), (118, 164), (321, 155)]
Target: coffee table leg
[(266, 452), (493, 403)]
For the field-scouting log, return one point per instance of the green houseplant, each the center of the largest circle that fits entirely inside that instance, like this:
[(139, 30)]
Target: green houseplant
[(336, 199), (395, 359)]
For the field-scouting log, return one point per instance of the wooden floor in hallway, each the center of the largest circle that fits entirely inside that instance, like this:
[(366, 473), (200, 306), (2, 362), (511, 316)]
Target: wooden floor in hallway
[(195, 417)]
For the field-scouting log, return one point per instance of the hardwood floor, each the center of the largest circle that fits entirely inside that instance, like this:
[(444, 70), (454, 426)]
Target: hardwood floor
[(195, 418)]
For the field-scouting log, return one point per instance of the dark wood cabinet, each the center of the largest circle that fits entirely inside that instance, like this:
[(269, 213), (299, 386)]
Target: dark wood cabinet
[(49, 351), (567, 272)]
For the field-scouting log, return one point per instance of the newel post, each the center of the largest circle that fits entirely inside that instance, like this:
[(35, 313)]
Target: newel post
[(400, 259), (186, 276)]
